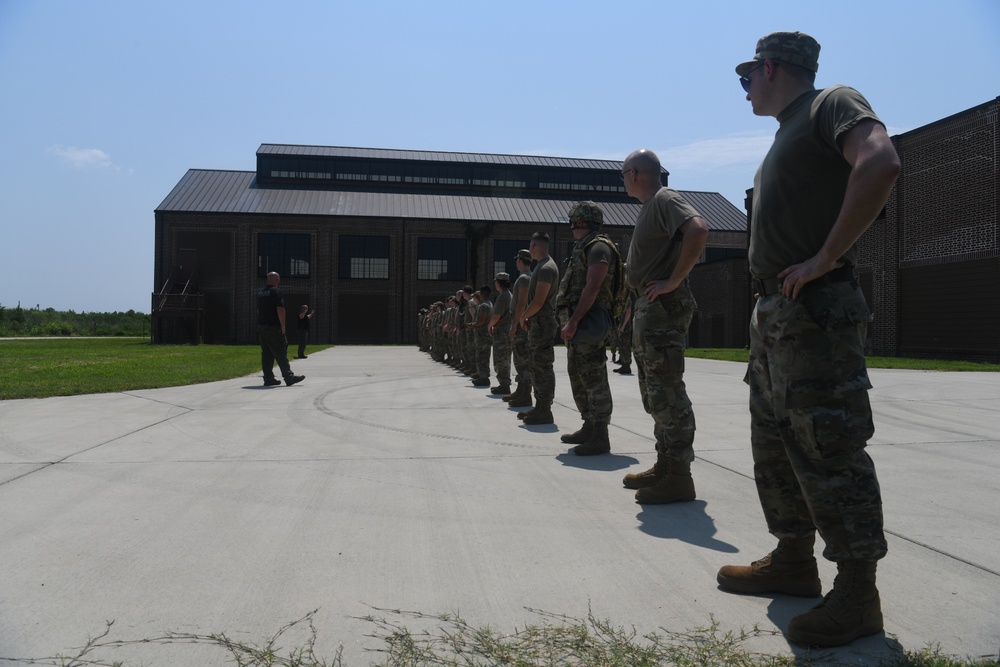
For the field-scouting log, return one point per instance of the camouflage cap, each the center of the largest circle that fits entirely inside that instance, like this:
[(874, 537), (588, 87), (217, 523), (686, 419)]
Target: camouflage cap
[(586, 212), (524, 255), (794, 48), (503, 275)]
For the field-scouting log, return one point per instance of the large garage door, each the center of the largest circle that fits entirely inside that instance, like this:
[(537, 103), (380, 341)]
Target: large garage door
[(950, 310)]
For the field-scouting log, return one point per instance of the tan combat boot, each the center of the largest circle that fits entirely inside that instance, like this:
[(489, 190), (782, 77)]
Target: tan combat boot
[(524, 400), (676, 486), (849, 611), (542, 414), (789, 569), (581, 436), (597, 443), (518, 392), (647, 477)]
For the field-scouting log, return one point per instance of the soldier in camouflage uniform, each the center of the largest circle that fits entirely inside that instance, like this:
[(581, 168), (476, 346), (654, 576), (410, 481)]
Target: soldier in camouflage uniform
[(519, 337), (499, 327), (484, 341), (624, 332), (826, 177), (593, 270), (539, 320), (468, 335), (668, 240)]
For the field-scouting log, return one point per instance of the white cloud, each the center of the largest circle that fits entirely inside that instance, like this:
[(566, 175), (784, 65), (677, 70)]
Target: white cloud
[(83, 158)]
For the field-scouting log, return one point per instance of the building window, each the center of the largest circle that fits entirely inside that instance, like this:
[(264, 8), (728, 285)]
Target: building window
[(504, 252), (441, 259), (364, 257), (288, 254)]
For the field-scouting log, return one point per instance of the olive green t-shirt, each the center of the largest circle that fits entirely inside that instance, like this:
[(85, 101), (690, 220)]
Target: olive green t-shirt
[(502, 308), (799, 187), (656, 241), (545, 272)]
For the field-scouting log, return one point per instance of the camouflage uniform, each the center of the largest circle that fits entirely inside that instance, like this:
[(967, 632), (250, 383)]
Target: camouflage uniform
[(810, 419), (468, 349), (542, 329), (501, 334), (484, 341), (659, 333), (659, 327), (519, 345), (810, 415), (587, 362)]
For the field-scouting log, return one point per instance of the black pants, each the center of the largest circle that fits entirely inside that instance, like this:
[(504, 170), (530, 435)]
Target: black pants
[(273, 347)]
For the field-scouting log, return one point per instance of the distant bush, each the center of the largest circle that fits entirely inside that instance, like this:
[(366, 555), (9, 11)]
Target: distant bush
[(50, 322)]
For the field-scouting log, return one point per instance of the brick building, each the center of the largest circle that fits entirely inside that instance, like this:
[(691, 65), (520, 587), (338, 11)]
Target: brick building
[(930, 265), (369, 236)]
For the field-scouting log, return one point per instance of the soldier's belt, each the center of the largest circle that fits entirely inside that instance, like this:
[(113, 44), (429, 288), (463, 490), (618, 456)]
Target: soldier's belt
[(767, 286)]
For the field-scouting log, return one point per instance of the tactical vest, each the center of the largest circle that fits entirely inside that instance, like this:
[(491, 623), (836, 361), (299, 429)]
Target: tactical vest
[(575, 277)]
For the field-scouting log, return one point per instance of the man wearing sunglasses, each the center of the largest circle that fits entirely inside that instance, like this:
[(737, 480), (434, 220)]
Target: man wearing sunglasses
[(826, 177)]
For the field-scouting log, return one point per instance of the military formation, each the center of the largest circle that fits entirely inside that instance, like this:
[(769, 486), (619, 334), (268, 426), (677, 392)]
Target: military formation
[(827, 175)]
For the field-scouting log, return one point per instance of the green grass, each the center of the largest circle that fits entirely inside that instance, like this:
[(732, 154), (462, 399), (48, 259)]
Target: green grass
[(446, 640), (742, 355), (70, 366)]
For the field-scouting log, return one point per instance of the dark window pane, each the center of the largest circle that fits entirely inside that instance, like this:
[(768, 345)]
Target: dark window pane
[(364, 257), (441, 259)]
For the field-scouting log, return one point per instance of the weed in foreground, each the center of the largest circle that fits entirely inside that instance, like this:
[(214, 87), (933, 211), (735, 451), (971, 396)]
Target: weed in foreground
[(447, 640)]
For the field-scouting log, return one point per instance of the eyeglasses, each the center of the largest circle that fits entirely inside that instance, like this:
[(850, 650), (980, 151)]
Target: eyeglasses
[(745, 82), (622, 174)]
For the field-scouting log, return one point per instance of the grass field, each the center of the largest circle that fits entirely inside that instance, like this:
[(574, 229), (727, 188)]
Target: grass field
[(38, 368), (68, 366)]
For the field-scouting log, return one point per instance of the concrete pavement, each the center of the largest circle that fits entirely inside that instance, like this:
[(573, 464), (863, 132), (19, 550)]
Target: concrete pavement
[(386, 480)]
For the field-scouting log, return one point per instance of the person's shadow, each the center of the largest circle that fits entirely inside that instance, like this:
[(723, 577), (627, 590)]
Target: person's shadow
[(688, 522), (877, 649), (601, 463)]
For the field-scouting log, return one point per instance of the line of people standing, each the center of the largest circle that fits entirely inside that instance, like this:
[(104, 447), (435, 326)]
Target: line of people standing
[(827, 174)]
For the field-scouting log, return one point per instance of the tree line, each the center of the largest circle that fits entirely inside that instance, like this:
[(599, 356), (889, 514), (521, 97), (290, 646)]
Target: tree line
[(50, 322)]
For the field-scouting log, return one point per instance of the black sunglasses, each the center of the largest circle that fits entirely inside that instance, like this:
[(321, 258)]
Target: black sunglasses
[(745, 82)]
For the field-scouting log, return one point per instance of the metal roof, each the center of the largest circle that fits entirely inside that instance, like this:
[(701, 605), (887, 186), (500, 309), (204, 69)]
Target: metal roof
[(212, 191), (438, 156)]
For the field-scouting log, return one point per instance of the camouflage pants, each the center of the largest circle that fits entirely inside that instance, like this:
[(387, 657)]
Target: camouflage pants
[(468, 351), (501, 353), (541, 340), (658, 337), (522, 356), (484, 343), (625, 344), (810, 419), (587, 365)]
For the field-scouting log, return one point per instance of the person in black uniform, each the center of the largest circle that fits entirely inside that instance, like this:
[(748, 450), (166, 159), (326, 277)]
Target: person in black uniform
[(305, 319), (271, 331)]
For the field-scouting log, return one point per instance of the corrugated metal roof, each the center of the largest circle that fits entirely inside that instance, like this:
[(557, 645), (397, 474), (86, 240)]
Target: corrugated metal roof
[(209, 191), (437, 156)]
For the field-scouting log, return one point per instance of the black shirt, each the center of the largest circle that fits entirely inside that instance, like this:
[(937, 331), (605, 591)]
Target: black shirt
[(269, 300)]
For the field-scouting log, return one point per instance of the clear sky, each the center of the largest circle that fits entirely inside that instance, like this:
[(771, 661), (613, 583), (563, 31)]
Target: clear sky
[(105, 104)]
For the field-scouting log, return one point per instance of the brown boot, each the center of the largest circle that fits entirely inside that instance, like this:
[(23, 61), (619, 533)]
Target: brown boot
[(789, 569), (597, 443), (674, 487), (517, 393), (851, 610), (647, 477), (581, 436), (542, 414), (523, 401)]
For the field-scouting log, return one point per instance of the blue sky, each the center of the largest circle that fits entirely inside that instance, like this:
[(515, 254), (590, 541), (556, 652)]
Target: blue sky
[(106, 104)]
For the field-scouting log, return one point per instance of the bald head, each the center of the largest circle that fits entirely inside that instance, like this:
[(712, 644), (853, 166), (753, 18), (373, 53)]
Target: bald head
[(641, 174), (643, 161), (273, 278)]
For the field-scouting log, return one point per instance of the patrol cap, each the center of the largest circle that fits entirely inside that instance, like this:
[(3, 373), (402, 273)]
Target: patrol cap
[(524, 255), (794, 48), (586, 212), (503, 275)]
